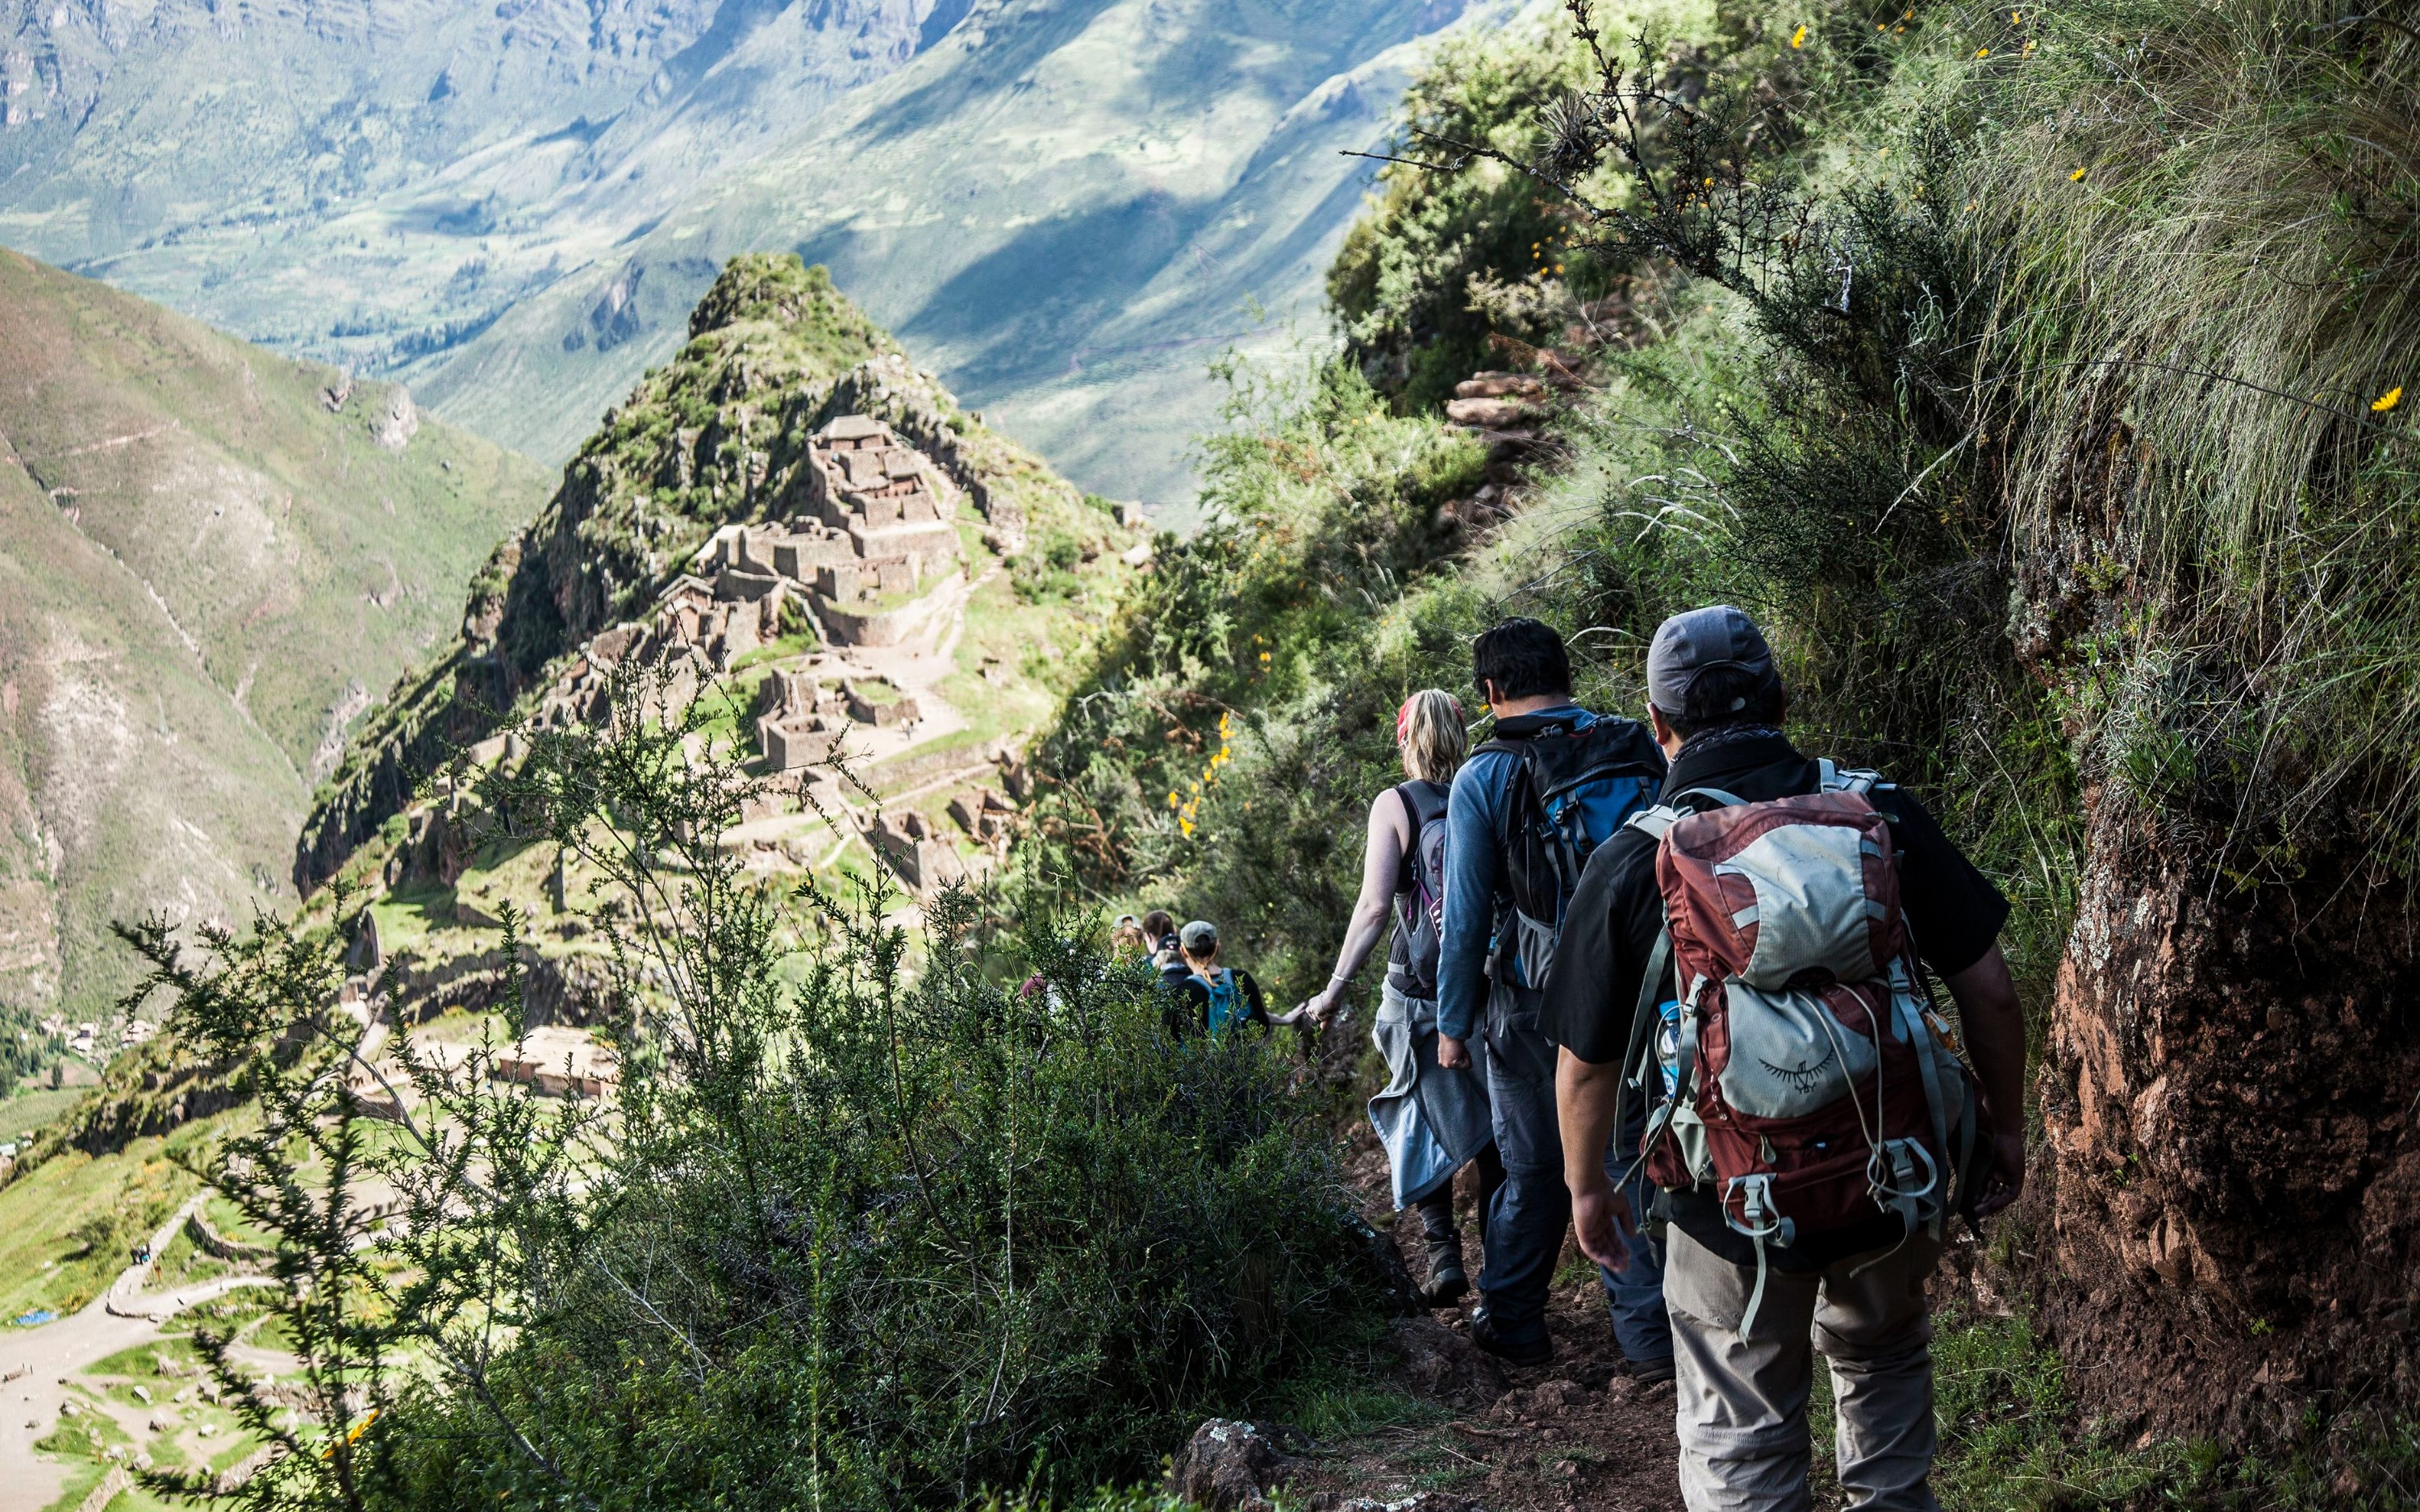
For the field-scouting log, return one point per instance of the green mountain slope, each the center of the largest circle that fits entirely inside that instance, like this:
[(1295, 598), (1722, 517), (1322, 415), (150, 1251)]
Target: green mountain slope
[(719, 435), (208, 565)]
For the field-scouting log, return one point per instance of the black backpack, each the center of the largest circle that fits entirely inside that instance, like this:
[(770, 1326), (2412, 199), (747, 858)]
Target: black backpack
[(1420, 885), (1574, 787)]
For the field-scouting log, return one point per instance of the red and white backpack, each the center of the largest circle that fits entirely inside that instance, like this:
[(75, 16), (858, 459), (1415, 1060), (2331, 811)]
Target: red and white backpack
[(1807, 1079)]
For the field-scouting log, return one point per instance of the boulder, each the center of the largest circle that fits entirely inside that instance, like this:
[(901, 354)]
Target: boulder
[(1489, 415), (1442, 1363), (1228, 1465), (1498, 386)]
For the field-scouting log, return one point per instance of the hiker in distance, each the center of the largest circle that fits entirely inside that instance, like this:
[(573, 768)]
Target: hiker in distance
[(1744, 955), (1431, 1119), (1167, 951), (1214, 998), (1553, 783)]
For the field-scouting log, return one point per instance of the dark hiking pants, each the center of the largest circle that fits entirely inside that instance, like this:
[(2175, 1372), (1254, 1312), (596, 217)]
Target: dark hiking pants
[(1534, 1209)]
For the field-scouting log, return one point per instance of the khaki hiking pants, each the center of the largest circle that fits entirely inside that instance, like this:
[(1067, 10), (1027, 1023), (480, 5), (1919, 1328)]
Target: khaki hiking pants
[(1743, 1406)]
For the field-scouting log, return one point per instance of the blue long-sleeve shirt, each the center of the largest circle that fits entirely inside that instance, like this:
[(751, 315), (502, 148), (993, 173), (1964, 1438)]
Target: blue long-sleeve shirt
[(1474, 889)]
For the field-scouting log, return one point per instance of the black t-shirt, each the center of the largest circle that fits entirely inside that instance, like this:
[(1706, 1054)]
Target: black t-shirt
[(1952, 911)]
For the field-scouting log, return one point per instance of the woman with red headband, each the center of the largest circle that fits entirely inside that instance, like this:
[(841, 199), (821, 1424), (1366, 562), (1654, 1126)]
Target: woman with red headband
[(1431, 1119)]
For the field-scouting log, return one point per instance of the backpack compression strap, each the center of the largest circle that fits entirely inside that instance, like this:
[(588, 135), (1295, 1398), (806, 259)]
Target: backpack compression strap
[(1652, 823)]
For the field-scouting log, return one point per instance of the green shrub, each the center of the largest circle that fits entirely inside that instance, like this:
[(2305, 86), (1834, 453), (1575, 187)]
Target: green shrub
[(869, 1225)]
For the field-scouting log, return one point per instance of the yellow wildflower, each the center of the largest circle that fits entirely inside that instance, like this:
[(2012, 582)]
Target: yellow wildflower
[(2387, 401), (1982, 52), (1798, 37), (2076, 177)]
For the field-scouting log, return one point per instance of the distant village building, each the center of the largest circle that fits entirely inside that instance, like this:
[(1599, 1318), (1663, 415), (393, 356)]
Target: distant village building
[(560, 1060)]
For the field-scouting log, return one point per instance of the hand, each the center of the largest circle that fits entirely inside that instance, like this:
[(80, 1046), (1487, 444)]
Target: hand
[(1602, 1217), (1451, 1053), (2006, 1180), (1321, 1003)]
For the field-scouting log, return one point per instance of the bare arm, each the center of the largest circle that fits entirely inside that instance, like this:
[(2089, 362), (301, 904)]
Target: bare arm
[(1994, 1024), (1382, 860), (1583, 1099)]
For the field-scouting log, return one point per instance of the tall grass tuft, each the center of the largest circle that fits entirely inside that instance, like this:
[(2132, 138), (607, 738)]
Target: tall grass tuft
[(2204, 223)]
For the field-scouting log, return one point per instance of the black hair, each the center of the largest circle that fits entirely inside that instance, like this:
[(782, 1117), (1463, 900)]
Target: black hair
[(1712, 694), (1522, 658)]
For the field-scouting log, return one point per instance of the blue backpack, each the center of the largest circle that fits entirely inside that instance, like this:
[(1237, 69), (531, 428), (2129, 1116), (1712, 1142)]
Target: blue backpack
[(1574, 787), (1228, 1004)]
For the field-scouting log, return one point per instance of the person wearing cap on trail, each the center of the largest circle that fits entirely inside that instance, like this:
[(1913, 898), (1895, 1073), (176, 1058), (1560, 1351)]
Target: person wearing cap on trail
[(1716, 704), (1431, 1120), (1552, 782), (1215, 999)]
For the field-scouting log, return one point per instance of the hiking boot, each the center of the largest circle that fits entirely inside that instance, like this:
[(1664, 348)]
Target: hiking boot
[(1445, 1283), (1649, 1372), (1444, 1287), (1536, 1351)]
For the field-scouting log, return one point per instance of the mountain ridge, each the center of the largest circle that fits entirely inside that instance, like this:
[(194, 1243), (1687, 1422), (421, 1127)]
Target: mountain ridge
[(512, 212), (718, 437)]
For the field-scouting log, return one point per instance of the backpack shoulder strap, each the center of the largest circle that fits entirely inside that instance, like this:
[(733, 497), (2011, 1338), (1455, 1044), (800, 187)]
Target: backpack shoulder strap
[(1722, 799), (1857, 779), (1651, 823), (1642, 1023)]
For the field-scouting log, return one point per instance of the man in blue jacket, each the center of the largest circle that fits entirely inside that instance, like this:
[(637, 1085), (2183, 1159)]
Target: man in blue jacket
[(1486, 1000)]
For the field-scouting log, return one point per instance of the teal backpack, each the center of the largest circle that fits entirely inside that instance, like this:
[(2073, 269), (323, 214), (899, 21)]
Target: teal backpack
[(1228, 1004)]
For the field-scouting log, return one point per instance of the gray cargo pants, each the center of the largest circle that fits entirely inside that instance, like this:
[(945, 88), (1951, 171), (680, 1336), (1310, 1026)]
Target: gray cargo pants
[(1743, 1406)]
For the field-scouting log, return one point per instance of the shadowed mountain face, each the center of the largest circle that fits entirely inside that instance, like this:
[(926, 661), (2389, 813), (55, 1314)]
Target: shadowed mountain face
[(1070, 205), (211, 560)]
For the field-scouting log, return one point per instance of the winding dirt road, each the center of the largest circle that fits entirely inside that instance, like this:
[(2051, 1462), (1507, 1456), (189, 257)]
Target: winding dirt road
[(121, 1317)]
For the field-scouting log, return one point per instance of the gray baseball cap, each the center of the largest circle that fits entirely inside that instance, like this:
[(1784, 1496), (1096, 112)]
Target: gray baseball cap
[(1719, 635), (1198, 937)]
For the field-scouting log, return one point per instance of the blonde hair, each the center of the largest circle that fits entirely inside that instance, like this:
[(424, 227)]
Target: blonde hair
[(1429, 729)]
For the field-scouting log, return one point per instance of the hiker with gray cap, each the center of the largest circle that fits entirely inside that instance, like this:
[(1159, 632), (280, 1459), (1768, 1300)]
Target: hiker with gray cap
[(1213, 998), (1809, 1244)]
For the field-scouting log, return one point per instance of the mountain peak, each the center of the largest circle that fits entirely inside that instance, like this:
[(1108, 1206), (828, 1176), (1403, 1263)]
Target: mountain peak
[(776, 287)]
